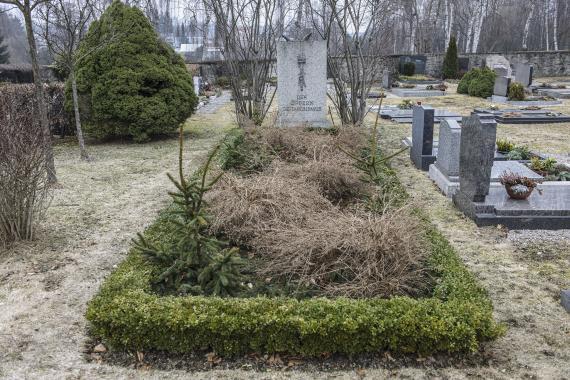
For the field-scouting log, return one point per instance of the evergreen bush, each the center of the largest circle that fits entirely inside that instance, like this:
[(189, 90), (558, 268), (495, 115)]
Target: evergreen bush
[(477, 82), (134, 84), (450, 68), (516, 91)]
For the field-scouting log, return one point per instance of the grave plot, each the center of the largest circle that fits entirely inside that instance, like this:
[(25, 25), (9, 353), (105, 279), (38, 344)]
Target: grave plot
[(488, 203), (300, 242), (445, 171), (411, 91), (558, 93), (399, 115), (529, 101), (522, 116), (275, 209)]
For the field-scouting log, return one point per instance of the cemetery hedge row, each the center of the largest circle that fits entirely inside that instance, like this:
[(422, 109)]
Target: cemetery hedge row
[(457, 317)]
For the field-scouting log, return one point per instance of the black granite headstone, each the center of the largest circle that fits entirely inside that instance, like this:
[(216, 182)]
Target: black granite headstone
[(422, 154)]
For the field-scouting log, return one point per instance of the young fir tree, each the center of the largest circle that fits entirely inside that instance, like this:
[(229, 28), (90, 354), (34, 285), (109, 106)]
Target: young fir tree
[(4, 55), (451, 62)]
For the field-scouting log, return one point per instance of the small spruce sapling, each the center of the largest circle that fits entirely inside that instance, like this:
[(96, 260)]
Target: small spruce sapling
[(195, 262)]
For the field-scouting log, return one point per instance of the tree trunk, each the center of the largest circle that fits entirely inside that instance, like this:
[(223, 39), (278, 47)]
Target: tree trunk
[(555, 25), (80, 140), (527, 28), (40, 96)]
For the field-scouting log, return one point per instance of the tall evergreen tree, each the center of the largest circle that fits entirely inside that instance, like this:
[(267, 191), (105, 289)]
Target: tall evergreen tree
[(4, 55), (451, 62)]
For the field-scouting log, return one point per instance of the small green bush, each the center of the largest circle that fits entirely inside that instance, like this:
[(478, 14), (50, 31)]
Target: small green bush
[(408, 68), (131, 83), (516, 91), (504, 145), (519, 152), (450, 68), (223, 81), (477, 82)]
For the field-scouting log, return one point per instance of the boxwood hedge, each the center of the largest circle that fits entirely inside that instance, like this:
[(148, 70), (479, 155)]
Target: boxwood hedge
[(457, 316)]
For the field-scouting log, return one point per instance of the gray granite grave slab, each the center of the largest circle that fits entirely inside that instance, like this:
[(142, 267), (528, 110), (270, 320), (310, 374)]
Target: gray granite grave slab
[(449, 185), (523, 103), (421, 153), (561, 93), (406, 115), (501, 87), (523, 74), (551, 210), (449, 142), (525, 116), (416, 93), (477, 152), (302, 83), (565, 299)]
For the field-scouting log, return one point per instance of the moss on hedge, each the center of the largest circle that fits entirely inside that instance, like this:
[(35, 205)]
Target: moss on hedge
[(458, 316)]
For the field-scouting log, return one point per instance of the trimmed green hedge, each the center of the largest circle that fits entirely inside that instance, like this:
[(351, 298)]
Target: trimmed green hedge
[(126, 314)]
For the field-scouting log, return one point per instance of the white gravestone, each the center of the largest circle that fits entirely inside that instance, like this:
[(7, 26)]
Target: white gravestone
[(302, 83)]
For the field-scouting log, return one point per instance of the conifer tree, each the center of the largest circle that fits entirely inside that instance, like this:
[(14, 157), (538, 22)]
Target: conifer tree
[(4, 55), (451, 62)]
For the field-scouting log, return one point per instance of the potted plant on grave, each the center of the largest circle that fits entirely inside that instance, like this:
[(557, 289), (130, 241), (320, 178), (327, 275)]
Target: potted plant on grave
[(517, 186), (542, 167), (441, 87)]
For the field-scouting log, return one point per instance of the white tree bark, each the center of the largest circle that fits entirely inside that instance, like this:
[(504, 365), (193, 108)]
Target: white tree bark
[(555, 24), (527, 28), (480, 17), (546, 27)]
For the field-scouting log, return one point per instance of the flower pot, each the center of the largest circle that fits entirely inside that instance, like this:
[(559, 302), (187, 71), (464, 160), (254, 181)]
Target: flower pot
[(515, 192)]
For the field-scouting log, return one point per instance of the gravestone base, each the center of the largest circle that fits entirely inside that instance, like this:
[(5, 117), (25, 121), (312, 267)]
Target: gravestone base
[(449, 185), (549, 211), (565, 299)]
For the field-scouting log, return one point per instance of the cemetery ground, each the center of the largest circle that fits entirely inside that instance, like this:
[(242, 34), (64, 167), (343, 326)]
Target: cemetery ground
[(46, 283)]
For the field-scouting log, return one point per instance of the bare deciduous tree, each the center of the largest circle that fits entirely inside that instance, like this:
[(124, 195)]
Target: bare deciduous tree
[(23, 175), (248, 30), (64, 24), (356, 32), (27, 7)]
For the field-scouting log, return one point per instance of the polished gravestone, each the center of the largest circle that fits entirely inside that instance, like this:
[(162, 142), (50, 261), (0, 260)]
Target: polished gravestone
[(302, 83), (565, 299), (422, 152), (386, 80)]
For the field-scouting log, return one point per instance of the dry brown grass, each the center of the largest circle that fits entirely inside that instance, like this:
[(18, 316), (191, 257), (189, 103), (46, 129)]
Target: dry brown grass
[(345, 254), (247, 207), (293, 216)]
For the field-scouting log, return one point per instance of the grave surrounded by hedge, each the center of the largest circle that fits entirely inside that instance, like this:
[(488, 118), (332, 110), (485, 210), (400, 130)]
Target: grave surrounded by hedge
[(452, 314)]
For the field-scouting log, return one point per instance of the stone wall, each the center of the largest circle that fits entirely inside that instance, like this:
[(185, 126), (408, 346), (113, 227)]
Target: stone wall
[(545, 63)]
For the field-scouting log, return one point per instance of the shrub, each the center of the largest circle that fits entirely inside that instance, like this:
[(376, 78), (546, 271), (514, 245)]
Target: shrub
[(477, 82), (519, 152), (133, 84), (23, 175), (458, 317), (406, 104), (223, 81), (408, 68), (516, 91), (504, 145), (450, 68)]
